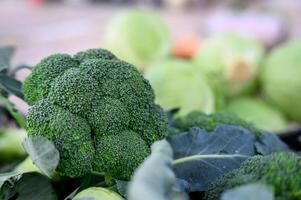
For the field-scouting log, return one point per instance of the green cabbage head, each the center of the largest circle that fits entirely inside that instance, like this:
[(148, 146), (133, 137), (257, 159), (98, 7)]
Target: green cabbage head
[(137, 36), (281, 79), (258, 112), (233, 61), (179, 84)]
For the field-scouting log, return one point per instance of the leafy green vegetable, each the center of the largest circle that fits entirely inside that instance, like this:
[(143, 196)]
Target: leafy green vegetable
[(280, 78), (138, 37), (154, 179), (179, 84), (98, 111), (43, 154), (249, 191), (259, 113), (27, 186), (201, 157), (233, 60)]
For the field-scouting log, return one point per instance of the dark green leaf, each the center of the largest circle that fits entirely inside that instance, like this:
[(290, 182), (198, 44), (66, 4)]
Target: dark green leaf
[(43, 154), (250, 191), (11, 85), (5, 56), (122, 187), (201, 157), (269, 143), (27, 186)]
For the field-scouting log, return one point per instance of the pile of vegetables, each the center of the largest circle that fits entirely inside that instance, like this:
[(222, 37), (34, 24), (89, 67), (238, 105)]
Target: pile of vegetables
[(227, 73), (94, 131), (137, 123)]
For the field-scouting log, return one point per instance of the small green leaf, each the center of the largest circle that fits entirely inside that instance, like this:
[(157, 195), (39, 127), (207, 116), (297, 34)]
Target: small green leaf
[(250, 191), (43, 154), (11, 85), (5, 56)]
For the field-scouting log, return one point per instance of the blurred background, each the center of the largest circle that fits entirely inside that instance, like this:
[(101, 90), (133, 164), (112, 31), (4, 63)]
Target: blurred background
[(205, 55)]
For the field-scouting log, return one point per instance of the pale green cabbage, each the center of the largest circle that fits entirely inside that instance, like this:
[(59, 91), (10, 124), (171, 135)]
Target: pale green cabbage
[(179, 84), (259, 113), (233, 60), (281, 79), (137, 36), (97, 193)]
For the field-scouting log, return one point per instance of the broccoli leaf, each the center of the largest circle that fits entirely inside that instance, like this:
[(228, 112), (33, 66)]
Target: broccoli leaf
[(154, 179), (269, 143), (27, 186), (43, 154), (121, 187), (16, 115), (250, 191), (11, 85), (6, 53), (201, 157)]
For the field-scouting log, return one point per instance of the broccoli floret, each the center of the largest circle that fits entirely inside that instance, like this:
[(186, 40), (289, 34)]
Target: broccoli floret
[(279, 170), (115, 146), (97, 110), (94, 54), (211, 121), (37, 85)]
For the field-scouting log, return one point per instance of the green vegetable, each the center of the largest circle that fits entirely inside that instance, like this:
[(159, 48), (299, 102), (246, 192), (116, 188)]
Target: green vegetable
[(281, 171), (138, 37), (11, 144), (97, 193), (281, 81), (202, 156), (210, 122), (179, 84), (261, 114), (233, 60), (97, 110)]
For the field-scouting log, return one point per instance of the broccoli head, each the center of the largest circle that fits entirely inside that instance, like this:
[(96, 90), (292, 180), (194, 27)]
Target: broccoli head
[(281, 171), (209, 122), (97, 110)]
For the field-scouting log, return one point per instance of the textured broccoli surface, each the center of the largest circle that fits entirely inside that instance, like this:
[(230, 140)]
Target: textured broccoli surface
[(279, 170), (211, 121), (98, 110)]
